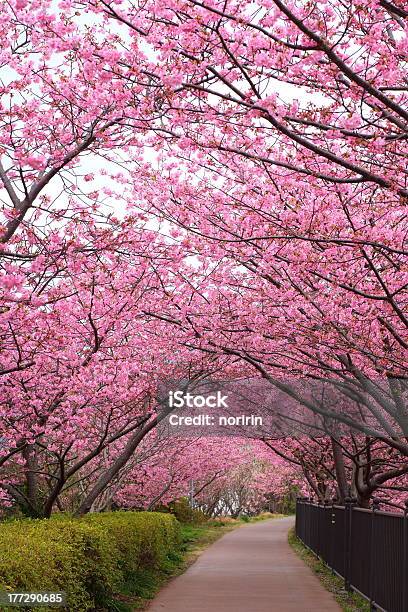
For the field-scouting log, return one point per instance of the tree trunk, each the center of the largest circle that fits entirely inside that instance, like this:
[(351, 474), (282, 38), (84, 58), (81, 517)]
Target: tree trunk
[(340, 470), (116, 466), (31, 467)]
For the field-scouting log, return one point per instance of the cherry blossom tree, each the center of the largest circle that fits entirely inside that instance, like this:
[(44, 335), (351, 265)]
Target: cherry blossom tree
[(222, 476), (263, 234), (294, 132)]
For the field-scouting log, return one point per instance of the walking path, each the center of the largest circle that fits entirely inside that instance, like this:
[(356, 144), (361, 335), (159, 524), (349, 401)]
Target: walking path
[(252, 569)]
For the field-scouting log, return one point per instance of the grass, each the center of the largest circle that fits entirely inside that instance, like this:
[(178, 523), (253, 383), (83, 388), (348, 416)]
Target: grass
[(261, 517), (137, 593), (348, 601)]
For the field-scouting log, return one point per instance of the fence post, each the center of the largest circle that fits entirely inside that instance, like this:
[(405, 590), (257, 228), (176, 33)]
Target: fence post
[(300, 518), (309, 523), (327, 531), (350, 502), (297, 517), (405, 559), (332, 532), (371, 594)]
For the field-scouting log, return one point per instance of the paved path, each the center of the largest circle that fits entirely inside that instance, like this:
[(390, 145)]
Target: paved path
[(251, 569)]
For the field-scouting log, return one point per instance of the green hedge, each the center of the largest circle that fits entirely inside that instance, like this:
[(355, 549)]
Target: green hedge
[(185, 513), (87, 558)]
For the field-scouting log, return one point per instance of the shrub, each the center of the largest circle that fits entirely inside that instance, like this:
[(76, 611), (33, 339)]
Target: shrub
[(87, 558), (143, 539), (184, 513)]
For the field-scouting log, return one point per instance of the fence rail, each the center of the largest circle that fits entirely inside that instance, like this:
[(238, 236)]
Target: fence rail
[(368, 548)]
